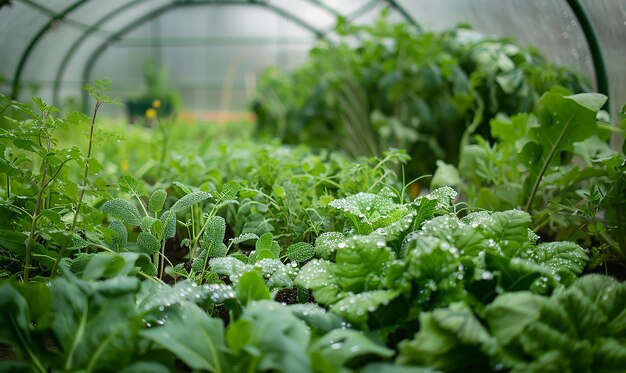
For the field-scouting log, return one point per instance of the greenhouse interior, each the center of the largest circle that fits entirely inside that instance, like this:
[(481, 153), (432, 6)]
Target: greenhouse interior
[(401, 186)]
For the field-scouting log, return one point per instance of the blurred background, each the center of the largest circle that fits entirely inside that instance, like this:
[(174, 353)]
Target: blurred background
[(208, 54)]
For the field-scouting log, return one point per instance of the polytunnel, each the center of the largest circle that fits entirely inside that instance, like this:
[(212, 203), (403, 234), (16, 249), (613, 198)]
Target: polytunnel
[(213, 49), (312, 186)]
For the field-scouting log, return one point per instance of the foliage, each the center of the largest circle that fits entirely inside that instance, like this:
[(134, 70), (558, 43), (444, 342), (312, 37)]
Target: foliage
[(396, 85), (262, 257), (557, 165)]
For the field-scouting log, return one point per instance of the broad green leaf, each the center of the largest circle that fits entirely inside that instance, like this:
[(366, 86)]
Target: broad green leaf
[(316, 275), (369, 211), (157, 199), (437, 201), (229, 266), (189, 200), (123, 211), (356, 308), (250, 287), (300, 252), (514, 274), (130, 184), (96, 324), (360, 262), (317, 318), (445, 175), (202, 347), (565, 260), (510, 313), (340, 347), (450, 339), (103, 265), (277, 274), (276, 340), (147, 243)]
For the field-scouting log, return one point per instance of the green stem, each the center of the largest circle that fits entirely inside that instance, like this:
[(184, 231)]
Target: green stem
[(546, 163), (30, 352), (8, 186), (81, 194), (33, 226)]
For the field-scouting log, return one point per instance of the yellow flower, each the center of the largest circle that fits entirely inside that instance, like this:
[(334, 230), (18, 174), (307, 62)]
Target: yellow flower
[(156, 104), (124, 165), (151, 113)]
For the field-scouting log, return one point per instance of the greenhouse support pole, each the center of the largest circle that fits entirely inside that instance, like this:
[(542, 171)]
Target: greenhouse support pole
[(31, 46), (403, 12), (599, 66)]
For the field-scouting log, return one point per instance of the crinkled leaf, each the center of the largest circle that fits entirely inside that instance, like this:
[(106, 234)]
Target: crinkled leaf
[(244, 237), (157, 199), (300, 252), (566, 259), (449, 339), (123, 211), (326, 244), (130, 184), (582, 327), (119, 243), (169, 223), (147, 222), (189, 200), (213, 237), (147, 243)]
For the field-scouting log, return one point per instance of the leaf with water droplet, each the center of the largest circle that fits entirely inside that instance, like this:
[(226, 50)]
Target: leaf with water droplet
[(300, 252), (341, 346)]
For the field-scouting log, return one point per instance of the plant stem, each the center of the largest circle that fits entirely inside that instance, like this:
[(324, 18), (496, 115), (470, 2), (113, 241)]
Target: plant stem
[(546, 163), (33, 226), (81, 194)]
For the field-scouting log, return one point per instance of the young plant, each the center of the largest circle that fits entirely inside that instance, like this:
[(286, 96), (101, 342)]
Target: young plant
[(99, 92)]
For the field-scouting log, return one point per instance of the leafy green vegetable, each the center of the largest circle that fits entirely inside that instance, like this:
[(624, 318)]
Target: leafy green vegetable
[(204, 349)]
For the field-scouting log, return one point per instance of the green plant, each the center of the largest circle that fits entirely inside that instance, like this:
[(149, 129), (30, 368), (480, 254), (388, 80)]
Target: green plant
[(395, 85), (531, 165)]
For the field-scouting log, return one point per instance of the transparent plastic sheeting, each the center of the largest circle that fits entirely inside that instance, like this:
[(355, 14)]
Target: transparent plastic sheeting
[(215, 50)]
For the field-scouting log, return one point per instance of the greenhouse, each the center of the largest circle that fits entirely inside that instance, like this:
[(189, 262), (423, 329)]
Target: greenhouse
[(401, 186)]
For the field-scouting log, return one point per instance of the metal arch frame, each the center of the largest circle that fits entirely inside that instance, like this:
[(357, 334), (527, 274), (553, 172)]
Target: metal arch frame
[(593, 44), (35, 40), (87, 69), (575, 6), (70, 52)]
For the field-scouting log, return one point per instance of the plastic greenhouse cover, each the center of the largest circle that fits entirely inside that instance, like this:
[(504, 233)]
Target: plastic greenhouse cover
[(68, 44)]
